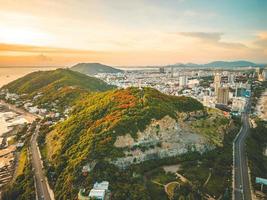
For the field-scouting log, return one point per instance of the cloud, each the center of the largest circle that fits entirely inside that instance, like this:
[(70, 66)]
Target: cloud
[(203, 35), (39, 49), (212, 38), (261, 40), (198, 14), (44, 58)]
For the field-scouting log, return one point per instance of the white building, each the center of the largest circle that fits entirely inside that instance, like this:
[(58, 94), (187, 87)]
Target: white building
[(33, 109), (238, 104), (182, 81), (99, 190), (209, 101), (264, 74), (193, 83), (97, 194), (101, 186), (231, 79), (11, 96)]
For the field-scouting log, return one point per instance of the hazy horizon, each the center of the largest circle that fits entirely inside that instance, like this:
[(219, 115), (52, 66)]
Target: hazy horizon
[(136, 33)]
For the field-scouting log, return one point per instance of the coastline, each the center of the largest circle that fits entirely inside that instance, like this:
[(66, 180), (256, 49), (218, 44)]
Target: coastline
[(29, 117), (9, 74)]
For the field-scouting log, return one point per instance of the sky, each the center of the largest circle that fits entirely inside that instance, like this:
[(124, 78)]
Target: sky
[(131, 33)]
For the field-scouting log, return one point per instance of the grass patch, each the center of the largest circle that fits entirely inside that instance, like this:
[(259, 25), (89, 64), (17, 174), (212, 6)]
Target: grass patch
[(21, 162), (212, 126), (256, 144), (171, 188), (23, 186)]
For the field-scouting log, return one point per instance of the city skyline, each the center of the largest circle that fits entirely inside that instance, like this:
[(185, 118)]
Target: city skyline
[(44, 33)]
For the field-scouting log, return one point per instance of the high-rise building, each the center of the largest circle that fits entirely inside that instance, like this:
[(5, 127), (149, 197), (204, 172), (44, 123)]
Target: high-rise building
[(171, 71), (217, 82), (231, 79), (264, 74), (223, 95), (240, 92), (182, 81), (258, 71), (161, 70)]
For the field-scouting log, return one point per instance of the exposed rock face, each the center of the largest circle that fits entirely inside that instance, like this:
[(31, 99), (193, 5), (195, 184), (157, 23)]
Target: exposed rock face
[(191, 115), (162, 138)]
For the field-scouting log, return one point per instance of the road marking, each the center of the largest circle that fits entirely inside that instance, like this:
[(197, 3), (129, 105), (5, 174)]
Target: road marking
[(238, 142)]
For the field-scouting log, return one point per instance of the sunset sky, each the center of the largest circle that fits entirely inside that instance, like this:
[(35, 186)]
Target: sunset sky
[(136, 32)]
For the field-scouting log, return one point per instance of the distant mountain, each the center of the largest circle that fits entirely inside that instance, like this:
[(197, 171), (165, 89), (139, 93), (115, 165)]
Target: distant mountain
[(219, 64), (94, 68), (231, 64), (61, 85)]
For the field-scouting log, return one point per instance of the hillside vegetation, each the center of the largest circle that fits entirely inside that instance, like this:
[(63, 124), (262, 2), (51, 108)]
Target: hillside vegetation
[(98, 119), (61, 85), (92, 128), (256, 150), (94, 68), (22, 188)]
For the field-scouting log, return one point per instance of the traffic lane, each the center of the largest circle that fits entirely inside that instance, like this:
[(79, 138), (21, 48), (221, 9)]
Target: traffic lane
[(40, 183), (238, 175), (37, 173), (246, 183), (242, 178), (239, 162), (42, 190)]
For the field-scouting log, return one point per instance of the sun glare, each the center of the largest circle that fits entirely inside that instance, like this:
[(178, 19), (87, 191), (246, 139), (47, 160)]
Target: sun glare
[(23, 36)]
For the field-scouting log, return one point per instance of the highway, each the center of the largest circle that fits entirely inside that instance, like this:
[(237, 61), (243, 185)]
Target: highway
[(241, 184), (41, 185)]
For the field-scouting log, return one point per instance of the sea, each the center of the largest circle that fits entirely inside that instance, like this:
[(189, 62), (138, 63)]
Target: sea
[(8, 74)]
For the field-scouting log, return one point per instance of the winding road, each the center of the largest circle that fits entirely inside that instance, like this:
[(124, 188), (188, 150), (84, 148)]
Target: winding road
[(42, 190), (241, 183)]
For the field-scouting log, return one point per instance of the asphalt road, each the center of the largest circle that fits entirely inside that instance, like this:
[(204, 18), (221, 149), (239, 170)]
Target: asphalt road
[(39, 176), (241, 177), (41, 185)]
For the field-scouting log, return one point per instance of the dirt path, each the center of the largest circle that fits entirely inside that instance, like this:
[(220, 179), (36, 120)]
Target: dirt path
[(182, 178), (207, 181), (170, 187)]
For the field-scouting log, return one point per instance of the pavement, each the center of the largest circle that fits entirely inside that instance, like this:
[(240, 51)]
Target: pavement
[(241, 190), (41, 185), (40, 180)]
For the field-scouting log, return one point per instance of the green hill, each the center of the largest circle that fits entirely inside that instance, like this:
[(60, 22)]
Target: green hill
[(106, 115), (91, 130), (61, 85), (94, 68)]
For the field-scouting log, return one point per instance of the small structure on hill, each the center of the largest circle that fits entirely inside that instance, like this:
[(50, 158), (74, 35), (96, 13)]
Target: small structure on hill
[(99, 191)]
